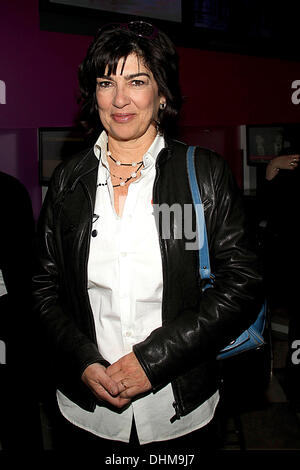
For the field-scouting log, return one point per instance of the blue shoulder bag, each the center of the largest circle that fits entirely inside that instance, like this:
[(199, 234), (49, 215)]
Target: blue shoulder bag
[(252, 338)]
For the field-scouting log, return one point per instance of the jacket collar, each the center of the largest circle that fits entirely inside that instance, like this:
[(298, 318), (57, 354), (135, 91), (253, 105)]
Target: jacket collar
[(172, 147), (88, 162)]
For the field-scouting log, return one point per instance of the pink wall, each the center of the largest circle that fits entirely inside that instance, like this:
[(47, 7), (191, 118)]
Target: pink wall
[(40, 72), (39, 69), (233, 89)]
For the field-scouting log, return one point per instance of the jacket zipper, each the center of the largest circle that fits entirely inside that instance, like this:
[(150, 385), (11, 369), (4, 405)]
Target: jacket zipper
[(66, 191), (164, 265), (91, 321)]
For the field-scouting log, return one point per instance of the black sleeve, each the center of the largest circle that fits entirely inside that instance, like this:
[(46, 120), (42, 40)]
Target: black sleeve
[(226, 309)]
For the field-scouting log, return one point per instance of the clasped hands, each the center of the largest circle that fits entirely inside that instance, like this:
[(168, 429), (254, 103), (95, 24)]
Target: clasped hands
[(118, 383)]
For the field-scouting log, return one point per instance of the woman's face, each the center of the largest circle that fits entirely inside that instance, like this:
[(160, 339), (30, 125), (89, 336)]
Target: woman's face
[(128, 101)]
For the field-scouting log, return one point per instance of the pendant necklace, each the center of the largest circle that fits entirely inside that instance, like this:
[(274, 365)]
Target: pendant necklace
[(118, 163)]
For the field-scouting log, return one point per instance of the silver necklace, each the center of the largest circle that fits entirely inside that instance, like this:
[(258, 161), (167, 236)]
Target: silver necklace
[(125, 180), (119, 163)]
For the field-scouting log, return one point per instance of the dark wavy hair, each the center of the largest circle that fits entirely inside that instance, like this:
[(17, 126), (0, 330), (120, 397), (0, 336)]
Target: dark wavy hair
[(157, 54)]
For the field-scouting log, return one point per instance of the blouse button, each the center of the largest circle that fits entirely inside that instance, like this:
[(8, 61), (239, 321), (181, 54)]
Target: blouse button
[(94, 233)]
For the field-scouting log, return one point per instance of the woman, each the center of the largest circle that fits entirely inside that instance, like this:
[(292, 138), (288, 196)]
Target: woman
[(282, 197), (132, 337)]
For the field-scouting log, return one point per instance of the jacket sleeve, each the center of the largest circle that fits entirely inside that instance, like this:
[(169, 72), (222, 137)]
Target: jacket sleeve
[(69, 349), (224, 311)]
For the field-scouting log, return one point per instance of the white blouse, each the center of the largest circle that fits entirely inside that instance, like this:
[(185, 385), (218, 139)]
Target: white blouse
[(125, 288)]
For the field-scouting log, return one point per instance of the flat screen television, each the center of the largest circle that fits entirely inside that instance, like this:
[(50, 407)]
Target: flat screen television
[(166, 10), (252, 27), (264, 142)]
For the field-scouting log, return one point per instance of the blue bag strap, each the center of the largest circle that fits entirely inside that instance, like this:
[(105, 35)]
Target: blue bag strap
[(204, 261), (253, 337)]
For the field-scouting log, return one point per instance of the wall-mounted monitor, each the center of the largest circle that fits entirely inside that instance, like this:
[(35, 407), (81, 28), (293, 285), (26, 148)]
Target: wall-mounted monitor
[(166, 10), (54, 145), (87, 16), (264, 142), (252, 27)]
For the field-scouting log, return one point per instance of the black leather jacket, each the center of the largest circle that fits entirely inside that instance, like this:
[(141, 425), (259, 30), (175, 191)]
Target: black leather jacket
[(195, 325)]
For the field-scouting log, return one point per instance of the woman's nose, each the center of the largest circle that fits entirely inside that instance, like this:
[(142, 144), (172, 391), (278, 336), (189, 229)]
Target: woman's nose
[(121, 97)]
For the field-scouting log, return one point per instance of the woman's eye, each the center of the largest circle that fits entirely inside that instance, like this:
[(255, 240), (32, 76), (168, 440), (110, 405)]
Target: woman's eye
[(138, 83), (103, 84)]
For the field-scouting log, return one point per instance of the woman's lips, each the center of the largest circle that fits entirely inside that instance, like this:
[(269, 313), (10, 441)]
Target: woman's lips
[(122, 117)]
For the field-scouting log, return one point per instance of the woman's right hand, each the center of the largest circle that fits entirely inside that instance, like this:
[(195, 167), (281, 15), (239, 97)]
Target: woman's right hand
[(102, 386)]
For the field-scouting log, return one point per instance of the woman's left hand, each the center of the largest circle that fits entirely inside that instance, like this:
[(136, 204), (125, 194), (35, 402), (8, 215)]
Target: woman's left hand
[(130, 376)]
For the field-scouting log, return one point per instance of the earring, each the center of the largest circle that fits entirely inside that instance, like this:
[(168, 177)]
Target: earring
[(162, 106)]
